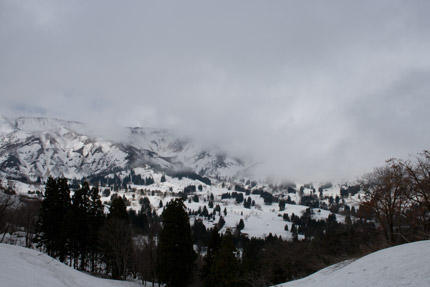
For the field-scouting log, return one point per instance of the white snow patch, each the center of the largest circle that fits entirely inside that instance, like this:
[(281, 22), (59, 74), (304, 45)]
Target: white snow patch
[(22, 267), (404, 265)]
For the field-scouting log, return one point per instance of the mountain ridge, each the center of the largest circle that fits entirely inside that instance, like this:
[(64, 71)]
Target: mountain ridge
[(37, 147)]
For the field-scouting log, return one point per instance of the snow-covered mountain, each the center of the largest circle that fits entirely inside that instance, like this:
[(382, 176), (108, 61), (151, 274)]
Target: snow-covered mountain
[(38, 147)]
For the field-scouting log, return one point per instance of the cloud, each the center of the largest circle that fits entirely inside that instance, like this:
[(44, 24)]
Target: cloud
[(314, 90)]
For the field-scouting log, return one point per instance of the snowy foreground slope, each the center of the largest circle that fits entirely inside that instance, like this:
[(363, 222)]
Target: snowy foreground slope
[(404, 265), (26, 267)]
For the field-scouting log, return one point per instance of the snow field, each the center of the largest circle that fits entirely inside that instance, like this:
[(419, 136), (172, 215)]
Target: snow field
[(403, 265), (22, 267)]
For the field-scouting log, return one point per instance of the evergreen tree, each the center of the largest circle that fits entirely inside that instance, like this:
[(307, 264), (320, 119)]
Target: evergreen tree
[(241, 225), (221, 222), (198, 232), (294, 232), (79, 227), (175, 250), (281, 205), (95, 222), (225, 268), (118, 210), (50, 226), (205, 211), (348, 220), (213, 250), (247, 203), (252, 257)]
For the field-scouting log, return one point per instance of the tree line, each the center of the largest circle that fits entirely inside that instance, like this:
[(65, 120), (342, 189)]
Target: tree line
[(74, 227), (76, 230)]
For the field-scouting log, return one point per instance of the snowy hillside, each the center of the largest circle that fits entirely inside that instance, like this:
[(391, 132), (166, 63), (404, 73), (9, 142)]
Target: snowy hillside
[(260, 220), (22, 267), (32, 148), (404, 265)]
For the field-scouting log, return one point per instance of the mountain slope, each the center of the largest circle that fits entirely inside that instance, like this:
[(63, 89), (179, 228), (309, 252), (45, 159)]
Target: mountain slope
[(23, 267), (32, 148), (404, 265)]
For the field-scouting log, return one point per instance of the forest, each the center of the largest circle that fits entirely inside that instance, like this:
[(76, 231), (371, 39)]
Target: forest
[(109, 241)]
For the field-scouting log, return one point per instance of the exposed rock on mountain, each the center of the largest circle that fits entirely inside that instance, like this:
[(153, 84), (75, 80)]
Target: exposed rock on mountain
[(32, 148)]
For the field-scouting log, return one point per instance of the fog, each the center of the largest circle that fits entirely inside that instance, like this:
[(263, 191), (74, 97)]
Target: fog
[(312, 90)]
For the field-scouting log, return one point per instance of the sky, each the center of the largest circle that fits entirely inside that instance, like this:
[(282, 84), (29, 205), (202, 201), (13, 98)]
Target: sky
[(312, 90)]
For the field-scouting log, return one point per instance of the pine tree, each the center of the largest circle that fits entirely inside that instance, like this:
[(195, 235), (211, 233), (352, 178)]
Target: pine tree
[(79, 230), (241, 225), (50, 226), (225, 268), (95, 222), (118, 210), (221, 222), (175, 251), (214, 246), (252, 256), (205, 211)]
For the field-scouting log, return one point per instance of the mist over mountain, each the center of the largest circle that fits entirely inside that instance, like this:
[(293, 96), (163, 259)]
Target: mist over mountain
[(36, 147)]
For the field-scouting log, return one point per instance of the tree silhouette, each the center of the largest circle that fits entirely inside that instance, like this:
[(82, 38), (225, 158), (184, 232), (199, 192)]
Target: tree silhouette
[(175, 251), (50, 227)]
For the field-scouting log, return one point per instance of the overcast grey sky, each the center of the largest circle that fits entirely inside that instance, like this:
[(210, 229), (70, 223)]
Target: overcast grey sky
[(314, 89)]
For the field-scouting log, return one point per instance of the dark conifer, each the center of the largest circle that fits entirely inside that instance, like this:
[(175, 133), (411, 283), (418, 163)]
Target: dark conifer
[(241, 225), (95, 222), (225, 268), (79, 224), (175, 250), (213, 250), (50, 227), (118, 209)]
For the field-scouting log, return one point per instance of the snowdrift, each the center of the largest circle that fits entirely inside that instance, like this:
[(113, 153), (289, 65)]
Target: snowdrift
[(403, 265), (23, 267)]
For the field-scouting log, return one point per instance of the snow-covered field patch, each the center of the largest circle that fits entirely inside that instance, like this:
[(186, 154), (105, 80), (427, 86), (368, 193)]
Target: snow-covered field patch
[(22, 267), (404, 265)]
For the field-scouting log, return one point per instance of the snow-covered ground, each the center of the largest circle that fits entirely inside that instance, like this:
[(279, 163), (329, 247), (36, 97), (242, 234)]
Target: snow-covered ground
[(404, 265), (23, 267)]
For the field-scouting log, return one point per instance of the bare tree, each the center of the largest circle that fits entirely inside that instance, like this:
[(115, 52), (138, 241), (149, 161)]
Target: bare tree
[(418, 177), (6, 214), (386, 194), (116, 245), (27, 218), (145, 257)]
